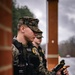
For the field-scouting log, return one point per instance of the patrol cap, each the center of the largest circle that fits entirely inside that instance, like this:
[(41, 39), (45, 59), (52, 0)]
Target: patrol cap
[(39, 35), (32, 23)]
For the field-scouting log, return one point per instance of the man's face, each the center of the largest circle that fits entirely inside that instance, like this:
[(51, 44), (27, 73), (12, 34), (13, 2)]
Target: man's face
[(28, 33), (38, 40)]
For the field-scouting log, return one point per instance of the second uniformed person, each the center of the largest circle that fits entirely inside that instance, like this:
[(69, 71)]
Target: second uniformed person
[(37, 50)]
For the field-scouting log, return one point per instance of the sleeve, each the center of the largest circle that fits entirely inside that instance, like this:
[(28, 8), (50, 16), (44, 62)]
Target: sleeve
[(44, 71), (15, 51)]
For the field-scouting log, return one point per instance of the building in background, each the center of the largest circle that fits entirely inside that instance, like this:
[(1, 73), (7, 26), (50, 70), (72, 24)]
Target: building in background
[(5, 37)]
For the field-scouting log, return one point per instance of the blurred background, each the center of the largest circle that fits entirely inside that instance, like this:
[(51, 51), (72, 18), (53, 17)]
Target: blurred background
[(66, 32), (66, 25), (10, 11)]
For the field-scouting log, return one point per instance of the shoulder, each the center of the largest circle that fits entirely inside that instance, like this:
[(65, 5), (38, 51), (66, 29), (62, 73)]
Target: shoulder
[(15, 51), (41, 50)]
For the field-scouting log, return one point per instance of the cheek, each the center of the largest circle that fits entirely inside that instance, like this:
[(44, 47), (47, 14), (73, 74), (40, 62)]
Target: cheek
[(29, 32), (36, 40), (40, 40)]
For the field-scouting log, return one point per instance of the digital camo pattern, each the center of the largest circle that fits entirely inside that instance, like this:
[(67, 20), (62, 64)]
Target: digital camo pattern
[(15, 53), (41, 69)]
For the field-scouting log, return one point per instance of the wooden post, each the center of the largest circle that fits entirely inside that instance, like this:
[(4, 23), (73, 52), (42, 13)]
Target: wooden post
[(52, 33)]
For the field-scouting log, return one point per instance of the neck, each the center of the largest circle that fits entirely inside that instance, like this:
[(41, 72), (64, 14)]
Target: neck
[(20, 38), (35, 44)]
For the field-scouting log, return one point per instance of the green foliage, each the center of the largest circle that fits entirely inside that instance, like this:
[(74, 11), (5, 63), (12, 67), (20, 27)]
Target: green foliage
[(18, 12)]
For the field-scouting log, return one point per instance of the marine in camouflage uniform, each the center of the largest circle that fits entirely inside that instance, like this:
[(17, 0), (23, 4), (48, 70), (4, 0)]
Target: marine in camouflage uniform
[(21, 45), (37, 50), (42, 69)]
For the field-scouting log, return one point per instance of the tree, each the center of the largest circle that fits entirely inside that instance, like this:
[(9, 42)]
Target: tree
[(18, 12), (67, 47)]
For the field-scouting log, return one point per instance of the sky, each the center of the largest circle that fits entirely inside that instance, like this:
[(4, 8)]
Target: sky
[(66, 17)]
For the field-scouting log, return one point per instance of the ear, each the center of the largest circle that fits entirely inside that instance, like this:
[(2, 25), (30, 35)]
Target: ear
[(22, 28)]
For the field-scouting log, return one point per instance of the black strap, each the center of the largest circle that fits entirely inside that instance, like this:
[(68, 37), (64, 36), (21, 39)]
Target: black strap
[(20, 68), (20, 47)]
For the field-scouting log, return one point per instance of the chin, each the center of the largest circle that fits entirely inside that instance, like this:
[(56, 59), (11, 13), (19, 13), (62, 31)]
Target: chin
[(32, 40)]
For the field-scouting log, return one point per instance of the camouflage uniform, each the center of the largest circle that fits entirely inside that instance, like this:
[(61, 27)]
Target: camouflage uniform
[(41, 69), (21, 60), (34, 61), (26, 58)]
